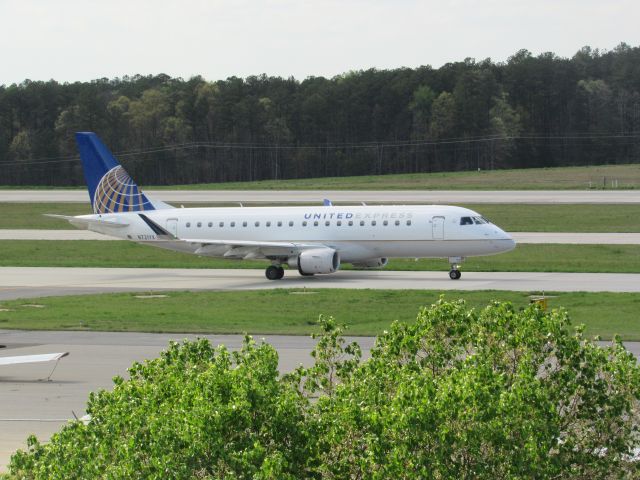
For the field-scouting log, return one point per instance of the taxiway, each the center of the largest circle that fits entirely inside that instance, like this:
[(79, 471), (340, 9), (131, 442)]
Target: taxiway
[(29, 282)]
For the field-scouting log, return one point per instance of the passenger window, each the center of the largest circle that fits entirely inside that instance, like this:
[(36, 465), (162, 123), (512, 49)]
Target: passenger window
[(373, 223), (268, 224), (315, 224), (221, 224), (362, 223), (188, 224), (291, 224), (397, 223), (257, 224), (385, 223), (339, 222), (409, 222), (466, 221), (244, 224), (199, 224), (279, 224), (351, 223), (304, 224), (210, 224), (327, 223), (233, 224)]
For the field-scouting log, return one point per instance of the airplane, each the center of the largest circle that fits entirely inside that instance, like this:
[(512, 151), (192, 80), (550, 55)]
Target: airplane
[(312, 240)]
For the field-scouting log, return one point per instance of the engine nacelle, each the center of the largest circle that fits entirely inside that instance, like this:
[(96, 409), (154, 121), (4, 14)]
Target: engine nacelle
[(317, 260), (372, 263)]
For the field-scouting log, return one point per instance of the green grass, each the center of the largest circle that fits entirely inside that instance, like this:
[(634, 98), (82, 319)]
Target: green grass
[(561, 178), (525, 258), (512, 218), (367, 312), (30, 215)]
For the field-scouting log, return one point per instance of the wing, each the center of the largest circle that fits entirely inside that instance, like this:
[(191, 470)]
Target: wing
[(245, 249), (46, 357), (248, 249)]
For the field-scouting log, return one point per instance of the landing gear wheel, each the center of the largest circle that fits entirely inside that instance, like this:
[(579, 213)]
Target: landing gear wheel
[(273, 272), (455, 274)]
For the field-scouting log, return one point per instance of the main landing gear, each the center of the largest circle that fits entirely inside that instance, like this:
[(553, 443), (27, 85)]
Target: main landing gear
[(454, 273), (274, 272)]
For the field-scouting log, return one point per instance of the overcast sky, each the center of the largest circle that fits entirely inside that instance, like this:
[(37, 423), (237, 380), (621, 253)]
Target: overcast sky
[(70, 40)]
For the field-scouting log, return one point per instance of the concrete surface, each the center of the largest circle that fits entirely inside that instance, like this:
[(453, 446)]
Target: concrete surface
[(25, 282)]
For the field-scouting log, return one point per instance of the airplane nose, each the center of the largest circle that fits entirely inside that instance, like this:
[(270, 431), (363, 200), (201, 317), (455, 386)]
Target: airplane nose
[(511, 243), (508, 243), (504, 242)]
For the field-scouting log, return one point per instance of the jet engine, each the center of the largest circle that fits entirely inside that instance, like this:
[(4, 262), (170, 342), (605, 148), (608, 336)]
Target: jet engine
[(372, 263), (317, 260)]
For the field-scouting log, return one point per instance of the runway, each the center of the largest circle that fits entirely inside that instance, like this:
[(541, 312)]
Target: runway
[(30, 282), (519, 237), (346, 196)]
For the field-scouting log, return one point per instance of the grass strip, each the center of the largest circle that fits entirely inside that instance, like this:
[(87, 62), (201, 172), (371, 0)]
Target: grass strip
[(283, 311), (512, 218), (556, 178), (559, 178), (525, 258)]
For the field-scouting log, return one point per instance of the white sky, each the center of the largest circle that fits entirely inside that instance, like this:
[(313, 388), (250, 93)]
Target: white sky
[(70, 40)]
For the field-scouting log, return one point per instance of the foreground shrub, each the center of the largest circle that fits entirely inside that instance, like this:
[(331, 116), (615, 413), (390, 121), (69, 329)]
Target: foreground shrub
[(194, 412), (497, 393)]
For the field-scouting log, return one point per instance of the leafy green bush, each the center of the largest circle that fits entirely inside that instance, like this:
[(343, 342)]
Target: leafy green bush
[(497, 393)]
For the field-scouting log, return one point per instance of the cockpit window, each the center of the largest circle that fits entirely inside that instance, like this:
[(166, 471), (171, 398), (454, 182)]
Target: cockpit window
[(479, 220), (466, 221)]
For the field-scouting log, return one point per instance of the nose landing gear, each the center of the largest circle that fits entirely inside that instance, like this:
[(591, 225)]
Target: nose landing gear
[(274, 272), (454, 273)]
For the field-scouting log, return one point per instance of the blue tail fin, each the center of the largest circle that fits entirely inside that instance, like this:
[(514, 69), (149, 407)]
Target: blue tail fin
[(110, 187)]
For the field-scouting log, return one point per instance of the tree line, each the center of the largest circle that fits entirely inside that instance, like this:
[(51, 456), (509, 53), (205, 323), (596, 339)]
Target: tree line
[(530, 111)]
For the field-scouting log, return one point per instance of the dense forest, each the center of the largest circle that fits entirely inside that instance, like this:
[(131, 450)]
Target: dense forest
[(530, 111)]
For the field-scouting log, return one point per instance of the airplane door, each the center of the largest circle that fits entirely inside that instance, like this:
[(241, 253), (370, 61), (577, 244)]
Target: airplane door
[(172, 226), (437, 225)]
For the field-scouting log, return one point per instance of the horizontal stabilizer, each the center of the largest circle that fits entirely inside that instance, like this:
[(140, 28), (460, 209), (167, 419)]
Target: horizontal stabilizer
[(82, 222), (46, 357)]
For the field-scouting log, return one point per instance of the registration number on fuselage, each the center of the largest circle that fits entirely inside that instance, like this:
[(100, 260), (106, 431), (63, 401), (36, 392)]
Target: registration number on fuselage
[(147, 237)]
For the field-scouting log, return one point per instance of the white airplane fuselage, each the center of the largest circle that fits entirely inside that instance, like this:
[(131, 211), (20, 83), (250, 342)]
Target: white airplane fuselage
[(358, 233), (314, 240)]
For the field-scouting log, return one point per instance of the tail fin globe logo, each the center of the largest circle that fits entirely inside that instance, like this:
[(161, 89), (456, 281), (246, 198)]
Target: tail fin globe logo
[(111, 189), (117, 192)]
